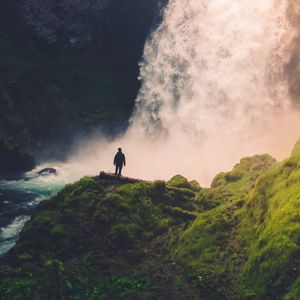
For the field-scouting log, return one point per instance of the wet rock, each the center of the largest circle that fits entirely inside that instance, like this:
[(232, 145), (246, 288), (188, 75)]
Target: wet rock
[(47, 171), (78, 24)]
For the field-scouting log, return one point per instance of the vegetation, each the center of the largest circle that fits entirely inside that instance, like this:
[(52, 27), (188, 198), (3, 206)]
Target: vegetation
[(43, 93), (106, 239), (269, 229), (90, 241)]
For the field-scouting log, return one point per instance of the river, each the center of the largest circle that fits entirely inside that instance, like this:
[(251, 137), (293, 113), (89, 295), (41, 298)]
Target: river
[(18, 199)]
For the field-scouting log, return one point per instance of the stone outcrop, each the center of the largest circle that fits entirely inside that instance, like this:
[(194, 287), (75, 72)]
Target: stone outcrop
[(98, 23), (70, 67)]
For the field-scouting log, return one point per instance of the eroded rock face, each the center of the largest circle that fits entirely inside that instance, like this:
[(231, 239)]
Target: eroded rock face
[(69, 21), (70, 66), (13, 160), (75, 23)]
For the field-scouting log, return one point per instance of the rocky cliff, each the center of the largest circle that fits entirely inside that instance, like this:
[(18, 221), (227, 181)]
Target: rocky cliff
[(67, 68), (98, 23)]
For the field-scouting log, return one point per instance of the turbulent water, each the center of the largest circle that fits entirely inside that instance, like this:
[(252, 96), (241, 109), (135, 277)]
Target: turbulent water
[(214, 89), (18, 198), (214, 67)]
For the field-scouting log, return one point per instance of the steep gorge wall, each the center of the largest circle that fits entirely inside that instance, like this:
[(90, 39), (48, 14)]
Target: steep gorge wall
[(68, 67), (101, 24)]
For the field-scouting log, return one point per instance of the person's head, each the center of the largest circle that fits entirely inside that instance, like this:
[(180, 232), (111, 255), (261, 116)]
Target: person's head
[(120, 149)]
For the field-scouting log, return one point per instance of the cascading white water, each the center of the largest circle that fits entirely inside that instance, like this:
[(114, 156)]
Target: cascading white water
[(213, 91), (213, 88), (214, 67)]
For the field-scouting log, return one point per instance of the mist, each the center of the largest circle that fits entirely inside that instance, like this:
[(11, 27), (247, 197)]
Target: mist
[(214, 90)]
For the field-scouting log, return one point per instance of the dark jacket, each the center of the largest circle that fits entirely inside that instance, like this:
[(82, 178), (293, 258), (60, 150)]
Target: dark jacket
[(120, 159)]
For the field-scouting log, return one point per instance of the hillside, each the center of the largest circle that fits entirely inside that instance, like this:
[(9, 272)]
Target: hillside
[(109, 239)]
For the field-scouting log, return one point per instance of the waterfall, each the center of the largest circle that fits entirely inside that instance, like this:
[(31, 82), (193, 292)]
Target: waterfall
[(213, 85), (214, 66), (213, 90)]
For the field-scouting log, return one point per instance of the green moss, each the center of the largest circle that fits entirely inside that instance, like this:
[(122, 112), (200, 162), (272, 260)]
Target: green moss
[(293, 292), (194, 186), (159, 186), (296, 149), (209, 245), (179, 181), (97, 223), (116, 287), (270, 228), (199, 245), (180, 214)]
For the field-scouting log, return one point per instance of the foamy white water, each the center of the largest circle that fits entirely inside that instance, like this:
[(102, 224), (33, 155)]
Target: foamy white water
[(10, 233), (19, 197), (213, 90)]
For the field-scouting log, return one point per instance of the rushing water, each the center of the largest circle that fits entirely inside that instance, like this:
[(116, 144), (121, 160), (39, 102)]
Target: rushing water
[(18, 198), (214, 67), (214, 90)]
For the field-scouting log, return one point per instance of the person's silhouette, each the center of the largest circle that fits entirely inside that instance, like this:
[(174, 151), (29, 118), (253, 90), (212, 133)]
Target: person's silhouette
[(119, 162)]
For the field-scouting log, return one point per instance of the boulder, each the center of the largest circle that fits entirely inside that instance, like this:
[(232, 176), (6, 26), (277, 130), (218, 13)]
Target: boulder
[(47, 171)]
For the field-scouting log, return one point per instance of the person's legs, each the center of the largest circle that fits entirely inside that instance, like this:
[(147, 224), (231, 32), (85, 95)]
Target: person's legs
[(120, 170)]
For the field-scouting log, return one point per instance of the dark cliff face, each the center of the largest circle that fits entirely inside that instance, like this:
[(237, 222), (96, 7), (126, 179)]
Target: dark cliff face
[(92, 23), (68, 67), (68, 22)]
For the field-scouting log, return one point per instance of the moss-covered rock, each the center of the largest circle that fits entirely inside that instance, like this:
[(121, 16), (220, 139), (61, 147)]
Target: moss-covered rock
[(296, 149), (246, 241), (269, 229), (211, 247), (181, 182), (69, 68), (246, 167)]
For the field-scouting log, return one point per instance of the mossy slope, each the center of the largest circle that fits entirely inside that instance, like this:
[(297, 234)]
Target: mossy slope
[(93, 241), (270, 231), (103, 239), (248, 245)]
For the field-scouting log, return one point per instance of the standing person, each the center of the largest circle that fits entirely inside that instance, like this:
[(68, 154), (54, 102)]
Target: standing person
[(119, 162)]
